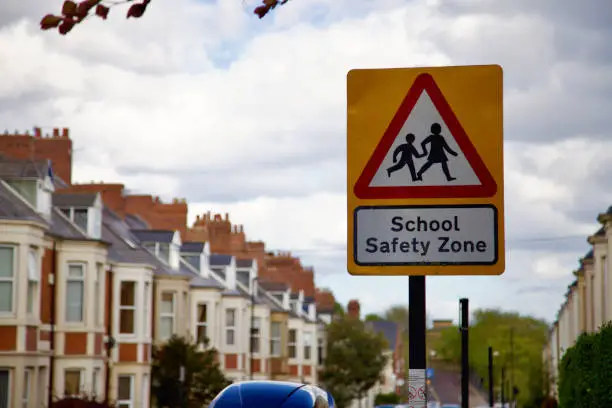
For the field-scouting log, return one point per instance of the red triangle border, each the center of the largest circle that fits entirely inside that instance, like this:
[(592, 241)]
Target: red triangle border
[(425, 82)]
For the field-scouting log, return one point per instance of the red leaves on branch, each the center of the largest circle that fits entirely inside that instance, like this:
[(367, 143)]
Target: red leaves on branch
[(74, 12), (138, 9), (267, 6)]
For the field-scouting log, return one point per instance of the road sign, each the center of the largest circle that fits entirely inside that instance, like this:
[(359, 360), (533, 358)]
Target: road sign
[(429, 373), (425, 171)]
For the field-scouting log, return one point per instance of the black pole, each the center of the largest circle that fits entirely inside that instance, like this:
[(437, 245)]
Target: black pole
[(503, 387), (511, 387), (465, 358), (416, 342), (491, 395)]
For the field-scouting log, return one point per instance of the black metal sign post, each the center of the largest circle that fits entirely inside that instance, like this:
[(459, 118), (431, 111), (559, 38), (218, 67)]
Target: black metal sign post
[(417, 391), (464, 325)]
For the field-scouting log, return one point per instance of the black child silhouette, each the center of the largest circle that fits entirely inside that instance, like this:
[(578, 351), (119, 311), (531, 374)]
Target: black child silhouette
[(407, 152), (437, 152)]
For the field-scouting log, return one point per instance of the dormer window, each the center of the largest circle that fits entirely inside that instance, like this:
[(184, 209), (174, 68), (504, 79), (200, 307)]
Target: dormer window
[(163, 251), (193, 260), (77, 215)]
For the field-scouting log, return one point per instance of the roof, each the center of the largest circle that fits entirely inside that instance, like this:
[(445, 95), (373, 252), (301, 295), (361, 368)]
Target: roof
[(244, 263), (387, 328), (15, 168), (589, 255), (600, 232), (144, 235), (63, 227), (74, 199), (197, 280), (193, 247), (220, 260), (273, 286), (12, 207), (135, 222)]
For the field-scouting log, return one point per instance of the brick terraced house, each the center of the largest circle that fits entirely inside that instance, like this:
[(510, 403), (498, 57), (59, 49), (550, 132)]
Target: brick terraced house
[(92, 277)]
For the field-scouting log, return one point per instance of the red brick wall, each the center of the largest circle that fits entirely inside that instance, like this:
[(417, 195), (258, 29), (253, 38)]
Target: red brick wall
[(56, 147)]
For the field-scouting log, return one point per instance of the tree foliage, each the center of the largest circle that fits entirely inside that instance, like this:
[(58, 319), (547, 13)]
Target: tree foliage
[(354, 360), (203, 379), (390, 398), (74, 13), (585, 371), (493, 328)]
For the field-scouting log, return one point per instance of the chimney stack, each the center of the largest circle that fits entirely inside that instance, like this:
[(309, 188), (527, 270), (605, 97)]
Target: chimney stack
[(353, 309)]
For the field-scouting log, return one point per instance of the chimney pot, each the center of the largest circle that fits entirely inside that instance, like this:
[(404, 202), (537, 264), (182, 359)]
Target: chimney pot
[(37, 132), (56, 132), (65, 133), (197, 218), (226, 216)]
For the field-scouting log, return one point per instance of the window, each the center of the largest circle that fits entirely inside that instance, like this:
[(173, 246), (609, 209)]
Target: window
[(147, 309), (5, 388), (127, 307), (33, 278), (166, 315), (193, 260), (7, 267), (201, 324), (75, 287), (292, 343), (230, 326), (98, 306), (72, 382), (80, 218), (27, 380), (307, 345), (125, 391), (164, 251), (95, 378), (275, 339), (66, 212), (255, 334)]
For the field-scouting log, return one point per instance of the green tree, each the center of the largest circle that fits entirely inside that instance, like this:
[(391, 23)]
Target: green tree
[(354, 360), (387, 399), (518, 341), (203, 379), (372, 317)]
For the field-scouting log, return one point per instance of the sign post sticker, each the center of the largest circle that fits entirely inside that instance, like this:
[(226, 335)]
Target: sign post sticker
[(425, 171)]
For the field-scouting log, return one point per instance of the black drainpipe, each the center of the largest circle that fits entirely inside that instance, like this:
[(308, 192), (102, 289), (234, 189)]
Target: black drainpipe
[(54, 268)]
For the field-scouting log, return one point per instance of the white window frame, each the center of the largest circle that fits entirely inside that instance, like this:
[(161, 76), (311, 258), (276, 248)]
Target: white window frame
[(292, 344), (146, 390), (98, 298), (27, 387), (95, 378), (307, 336), (128, 308), (81, 379), (256, 335), (10, 279), (168, 315), (203, 324), (147, 309), (73, 212), (80, 279), (33, 282), (230, 328), (276, 339), (126, 403)]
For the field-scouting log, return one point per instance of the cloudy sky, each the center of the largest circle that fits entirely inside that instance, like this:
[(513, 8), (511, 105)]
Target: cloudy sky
[(202, 100)]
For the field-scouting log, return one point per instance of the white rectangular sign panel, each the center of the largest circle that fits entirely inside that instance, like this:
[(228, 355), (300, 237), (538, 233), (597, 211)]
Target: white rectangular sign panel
[(426, 235)]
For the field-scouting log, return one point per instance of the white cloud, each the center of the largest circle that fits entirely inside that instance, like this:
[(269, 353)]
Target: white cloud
[(203, 100)]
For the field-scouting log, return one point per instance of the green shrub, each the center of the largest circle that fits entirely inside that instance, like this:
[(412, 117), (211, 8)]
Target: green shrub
[(585, 371), (386, 399)]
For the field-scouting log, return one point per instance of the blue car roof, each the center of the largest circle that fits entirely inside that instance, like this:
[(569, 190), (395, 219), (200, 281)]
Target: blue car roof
[(269, 394)]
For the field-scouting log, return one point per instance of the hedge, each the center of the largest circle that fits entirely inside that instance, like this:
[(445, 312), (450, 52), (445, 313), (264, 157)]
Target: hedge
[(585, 371)]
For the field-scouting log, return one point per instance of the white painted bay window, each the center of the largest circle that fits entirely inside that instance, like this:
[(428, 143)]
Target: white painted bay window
[(275, 339), (75, 290), (125, 391), (230, 327), (202, 323), (7, 278), (167, 315), (127, 307), (33, 279)]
